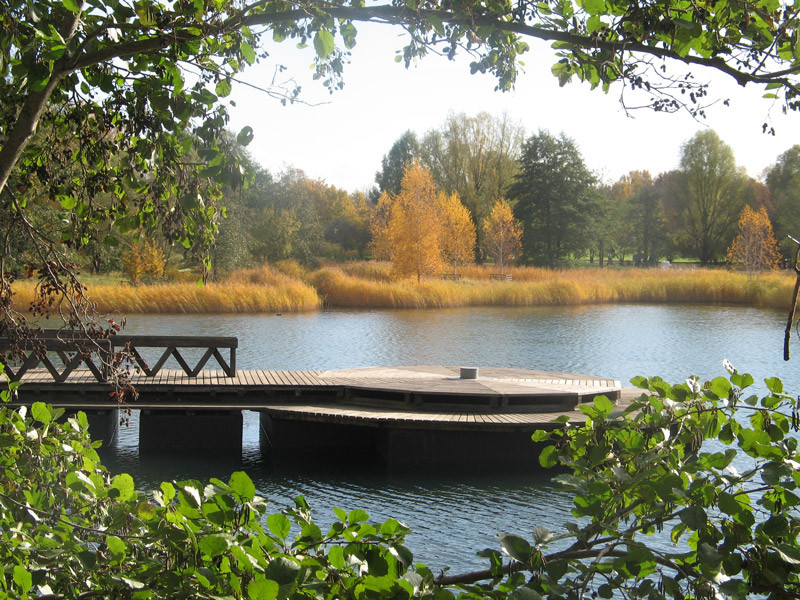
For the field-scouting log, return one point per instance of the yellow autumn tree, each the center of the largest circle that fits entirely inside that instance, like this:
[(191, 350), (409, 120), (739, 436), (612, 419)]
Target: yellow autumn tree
[(412, 235), (502, 234), (144, 261), (457, 230), (755, 247)]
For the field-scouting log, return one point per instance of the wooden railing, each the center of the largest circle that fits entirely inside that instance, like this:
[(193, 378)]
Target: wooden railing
[(172, 345), (73, 350)]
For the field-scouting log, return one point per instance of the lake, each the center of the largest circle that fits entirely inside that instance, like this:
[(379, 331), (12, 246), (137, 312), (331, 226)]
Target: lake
[(455, 514)]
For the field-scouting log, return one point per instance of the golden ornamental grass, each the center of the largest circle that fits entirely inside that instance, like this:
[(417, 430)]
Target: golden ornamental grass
[(541, 287), (369, 285), (285, 295)]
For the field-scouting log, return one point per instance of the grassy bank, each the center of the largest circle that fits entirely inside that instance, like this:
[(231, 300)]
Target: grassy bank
[(290, 288)]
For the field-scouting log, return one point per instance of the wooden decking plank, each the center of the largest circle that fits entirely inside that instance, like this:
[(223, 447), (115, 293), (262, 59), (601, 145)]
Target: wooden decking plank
[(291, 378), (249, 377), (306, 378), (280, 376)]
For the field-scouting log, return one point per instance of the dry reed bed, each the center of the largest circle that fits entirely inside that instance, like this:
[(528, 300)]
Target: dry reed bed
[(540, 287), (369, 285), (188, 298)]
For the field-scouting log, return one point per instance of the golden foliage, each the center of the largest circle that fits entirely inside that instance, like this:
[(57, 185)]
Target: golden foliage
[(144, 261), (413, 231), (457, 230), (502, 234), (755, 247)]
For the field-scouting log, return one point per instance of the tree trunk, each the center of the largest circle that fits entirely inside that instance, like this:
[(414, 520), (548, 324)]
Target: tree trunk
[(35, 106), (600, 253)]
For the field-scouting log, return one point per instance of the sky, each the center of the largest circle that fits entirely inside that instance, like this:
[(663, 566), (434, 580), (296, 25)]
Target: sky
[(341, 137)]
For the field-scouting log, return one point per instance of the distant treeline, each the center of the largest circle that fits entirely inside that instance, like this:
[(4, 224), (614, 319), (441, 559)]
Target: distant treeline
[(566, 214)]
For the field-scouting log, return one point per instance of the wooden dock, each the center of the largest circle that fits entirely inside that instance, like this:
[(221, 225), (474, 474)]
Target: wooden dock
[(415, 414), (417, 392)]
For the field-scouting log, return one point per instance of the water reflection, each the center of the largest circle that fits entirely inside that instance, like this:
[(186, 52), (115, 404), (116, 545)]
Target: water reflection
[(454, 515)]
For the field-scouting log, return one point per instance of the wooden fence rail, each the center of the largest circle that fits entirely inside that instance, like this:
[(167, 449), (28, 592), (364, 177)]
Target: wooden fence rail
[(73, 350)]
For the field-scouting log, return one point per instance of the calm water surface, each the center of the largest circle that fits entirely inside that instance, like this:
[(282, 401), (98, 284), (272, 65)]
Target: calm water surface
[(455, 514)]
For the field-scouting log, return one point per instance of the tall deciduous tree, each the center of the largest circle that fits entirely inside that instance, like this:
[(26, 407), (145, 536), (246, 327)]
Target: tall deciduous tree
[(395, 163), (474, 157), (555, 199), (710, 191), (502, 234), (412, 235), (754, 248), (783, 180), (640, 218), (457, 230)]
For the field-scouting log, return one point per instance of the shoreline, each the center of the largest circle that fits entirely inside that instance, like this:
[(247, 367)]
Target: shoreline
[(370, 286)]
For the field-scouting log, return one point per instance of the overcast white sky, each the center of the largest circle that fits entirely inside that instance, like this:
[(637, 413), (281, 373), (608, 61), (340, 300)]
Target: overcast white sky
[(342, 141)]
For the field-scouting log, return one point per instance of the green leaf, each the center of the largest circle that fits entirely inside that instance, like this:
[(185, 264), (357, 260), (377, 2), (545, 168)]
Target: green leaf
[(437, 24), (145, 511), (41, 412), (594, 23), (116, 546), (282, 570), (525, 593), (72, 6), (540, 435), (742, 380), (556, 569), (683, 23), (262, 589), (245, 136), (133, 583), (549, 457), (357, 516), (168, 490), (123, 483), (595, 7), (789, 554), (336, 557), (323, 43), (214, 545), (603, 404), (721, 387), (23, 578), (223, 88), (774, 385), (241, 483), (279, 525), (694, 517), (728, 504), (709, 555), (248, 52), (516, 547)]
